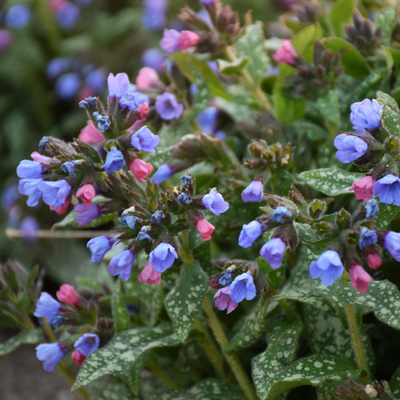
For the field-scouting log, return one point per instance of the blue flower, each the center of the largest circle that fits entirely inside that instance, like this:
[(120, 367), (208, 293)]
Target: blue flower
[(350, 148), (168, 107), (67, 15), (392, 244), (207, 2), (164, 172), (55, 193), (96, 80), (279, 215), (145, 140), (328, 267), (207, 120), (86, 214), (250, 232), (30, 188), (51, 354), (69, 167), (226, 279), (114, 162), (162, 257), (186, 180), (42, 144), (242, 288), (29, 226), (57, 66), (215, 202), (367, 237), (103, 122), (67, 85), (154, 16), (117, 85), (184, 198), (121, 264), (99, 246), (366, 115), (143, 235), (29, 169), (87, 344), (18, 16), (157, 216), (253, 192), (128, 220), (170, 41), (371, 208), (58, 320), (273, 252), (133, 100), (88, 100), (388, 189), (47, 307), (153, 58)]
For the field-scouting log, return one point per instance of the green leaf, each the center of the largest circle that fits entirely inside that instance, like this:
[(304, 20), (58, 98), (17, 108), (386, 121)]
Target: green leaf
[(235, 67), (386, 20), (119, 311), (160, 157), (132, 377), (276, 276), (70, 220), (394, 384), (251, 45), (387, 99), (252, 326), (331, 181), (238, 112), (304, 41), (354, 63), (110, 390), (183, 303), (23, 337), (328, 106), (123, 350), (391, 120), (305, 232), (90, 283), (340, 14), (386, 213)]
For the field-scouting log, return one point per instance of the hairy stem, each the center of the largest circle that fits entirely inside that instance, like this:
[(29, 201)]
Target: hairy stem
[(237, 369), (161, 375), (186, 256)]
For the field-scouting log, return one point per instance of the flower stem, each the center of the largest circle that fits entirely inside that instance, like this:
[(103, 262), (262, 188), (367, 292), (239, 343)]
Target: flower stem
[(50, 234), (186, 256), (161, 375), (237, 369), (283, 303)]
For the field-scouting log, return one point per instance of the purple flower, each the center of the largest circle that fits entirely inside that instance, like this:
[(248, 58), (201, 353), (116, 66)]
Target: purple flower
[(250, 232), (87, 343), (133, 100), (273, 252), (51, 354), (168, 107), (121, 264), (223, 300), (392, 244), (5, 39), (128, 220), (29, 169), (30, 188), (28, 226), (226, 279), (96, 80), (103, 121), (67, 85), (254, 192), (207, 2), (328, 267), (367, 237), (9, 196), (279, 215), (67, 15), (162, 257), (186, 180), (57, 66), (350, 148), (153, 58), (170, 42), (69, 167), (117, 85), (242, 288), (154, 16), (388, 189), (184, 198), (86, 214), (365, 115), (99, 246), (164, 172), (207, 120), (215, 202), (157, 216), (47, 307), (42, 143), (114, 162), (18, 16), (55, 193), (371, 208), (145, 140)]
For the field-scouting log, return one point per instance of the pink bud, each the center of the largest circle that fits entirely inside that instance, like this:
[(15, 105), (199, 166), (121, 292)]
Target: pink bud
[(359, 278), (147, 78), (63, 208), (205, 229), (143, 110), (140, 169), (374, 260), (188, 39), (87, 91), (90, 134), (56, 4), (78, 358), (37, 157), (86, 193), (67, 294), (286, 53), (363, 188), (149, 275)]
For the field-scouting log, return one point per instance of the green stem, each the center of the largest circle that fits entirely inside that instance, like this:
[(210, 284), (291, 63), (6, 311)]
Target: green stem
[(29, 324), (161, 375), (186, 257), (237, 369), (293, 316), (53, 33)]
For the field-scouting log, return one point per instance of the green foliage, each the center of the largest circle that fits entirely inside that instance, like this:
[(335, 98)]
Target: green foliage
[(386, 20), (340, 14), (386, 214), (119, 311), (27, 337)]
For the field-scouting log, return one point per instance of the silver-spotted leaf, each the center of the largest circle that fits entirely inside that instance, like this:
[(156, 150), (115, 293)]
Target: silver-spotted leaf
[(23, 337), (385, 215)]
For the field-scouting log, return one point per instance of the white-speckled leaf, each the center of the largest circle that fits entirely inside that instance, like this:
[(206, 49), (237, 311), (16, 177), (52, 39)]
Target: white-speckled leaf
[(110, 390), (386, 20), (328, 106), (386, 213), (391, 120), (183, 302), (122, 352), (394, 384), (160, 157), (331, 181), (119, 311), (132, 377), (235, 67), (29, 337)]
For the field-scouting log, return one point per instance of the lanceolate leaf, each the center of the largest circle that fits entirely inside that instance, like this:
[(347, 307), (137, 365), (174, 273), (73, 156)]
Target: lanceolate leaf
[(394, 384), (110, 390), (328, 106), (386, 213), (341, 14), (29, 337), (391, 120), (386, 20), (119, 311), (70, 220)]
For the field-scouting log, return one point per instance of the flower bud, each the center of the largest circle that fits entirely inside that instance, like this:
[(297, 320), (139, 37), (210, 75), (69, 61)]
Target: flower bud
[(78, 358), (67, 294), (147, 78), (286, 53), (374, 260), (86, 193), (149, 275), (140, 169), (205, 229), (359, 278), (188, 39), (363, 188)]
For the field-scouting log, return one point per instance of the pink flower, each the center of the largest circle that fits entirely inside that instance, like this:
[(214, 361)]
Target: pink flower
[(205, 229), (147, 78), (78, 358), (188, 39), (85, 92), (374, 260), (140, 169), (224, 301), (86, 193), (149, 275), (143, 110), (359, 278), (363, 188), (37, 157), (63, 208), (90, 134), (56, 4), (67, 294), (286, 53)]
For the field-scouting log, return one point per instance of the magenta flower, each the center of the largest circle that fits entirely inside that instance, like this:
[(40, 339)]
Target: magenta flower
[(223, 300), (286, 54)]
